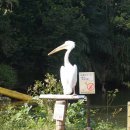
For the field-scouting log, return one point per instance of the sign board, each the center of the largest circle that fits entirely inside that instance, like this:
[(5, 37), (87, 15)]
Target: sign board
[(87, 82), (59, 112)]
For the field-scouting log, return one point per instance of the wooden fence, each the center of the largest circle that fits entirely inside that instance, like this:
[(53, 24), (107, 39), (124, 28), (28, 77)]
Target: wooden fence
[(128, 116)]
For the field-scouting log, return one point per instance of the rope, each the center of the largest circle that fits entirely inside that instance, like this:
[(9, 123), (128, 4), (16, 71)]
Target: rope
[(92, 106)]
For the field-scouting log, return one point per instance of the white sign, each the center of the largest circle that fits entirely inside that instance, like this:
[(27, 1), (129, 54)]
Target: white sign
[(59, 112), (87, 82)]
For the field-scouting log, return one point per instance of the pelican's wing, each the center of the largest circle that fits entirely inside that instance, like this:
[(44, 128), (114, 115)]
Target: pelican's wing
[(63, 76), (68, 78), (64, 80), (74, 76)]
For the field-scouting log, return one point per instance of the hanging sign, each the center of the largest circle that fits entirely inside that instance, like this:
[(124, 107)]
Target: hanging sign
[(87, 82), (59, 112)]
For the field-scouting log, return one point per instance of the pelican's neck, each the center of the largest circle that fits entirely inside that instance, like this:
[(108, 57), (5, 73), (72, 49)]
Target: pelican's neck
[(66, 58)]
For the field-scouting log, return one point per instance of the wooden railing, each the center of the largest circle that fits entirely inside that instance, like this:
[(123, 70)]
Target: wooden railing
[(128, 116), (14, 94)]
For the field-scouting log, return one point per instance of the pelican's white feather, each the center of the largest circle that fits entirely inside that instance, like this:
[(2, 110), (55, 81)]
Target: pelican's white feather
[(68, 78), (68, 72)]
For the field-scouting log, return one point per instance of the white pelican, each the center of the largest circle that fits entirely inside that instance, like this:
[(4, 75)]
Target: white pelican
[(68, 72)]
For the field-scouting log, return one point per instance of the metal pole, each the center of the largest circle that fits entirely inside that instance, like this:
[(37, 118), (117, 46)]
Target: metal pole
[(88, 114)]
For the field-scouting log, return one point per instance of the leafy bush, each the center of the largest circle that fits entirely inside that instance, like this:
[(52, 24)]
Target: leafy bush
[(49, 86), (76, 114), (26, 117), (104, 125)]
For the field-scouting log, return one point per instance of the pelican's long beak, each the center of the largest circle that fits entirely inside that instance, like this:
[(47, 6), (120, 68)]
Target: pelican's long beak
[(61, 47)]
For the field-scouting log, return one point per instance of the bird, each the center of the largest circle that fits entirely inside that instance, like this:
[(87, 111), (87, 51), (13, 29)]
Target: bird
[(68, 72)]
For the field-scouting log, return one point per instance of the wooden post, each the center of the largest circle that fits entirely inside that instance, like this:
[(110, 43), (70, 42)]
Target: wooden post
[(60, 124), (128, 116)]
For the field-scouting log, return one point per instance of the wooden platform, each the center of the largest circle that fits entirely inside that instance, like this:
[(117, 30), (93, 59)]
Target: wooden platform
[(15, 94), (62, 97)]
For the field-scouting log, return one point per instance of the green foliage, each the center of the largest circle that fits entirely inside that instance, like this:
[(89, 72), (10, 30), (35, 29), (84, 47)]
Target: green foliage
[(8, 76), (76, 114), (30, 29), (27, 117), (103, 125), (110, 98), (38, 113), (127, 84), (6, 6), (107, 125), (50, 85)]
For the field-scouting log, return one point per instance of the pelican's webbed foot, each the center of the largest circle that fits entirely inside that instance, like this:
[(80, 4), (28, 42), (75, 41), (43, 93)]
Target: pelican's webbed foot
[(74, 94)]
